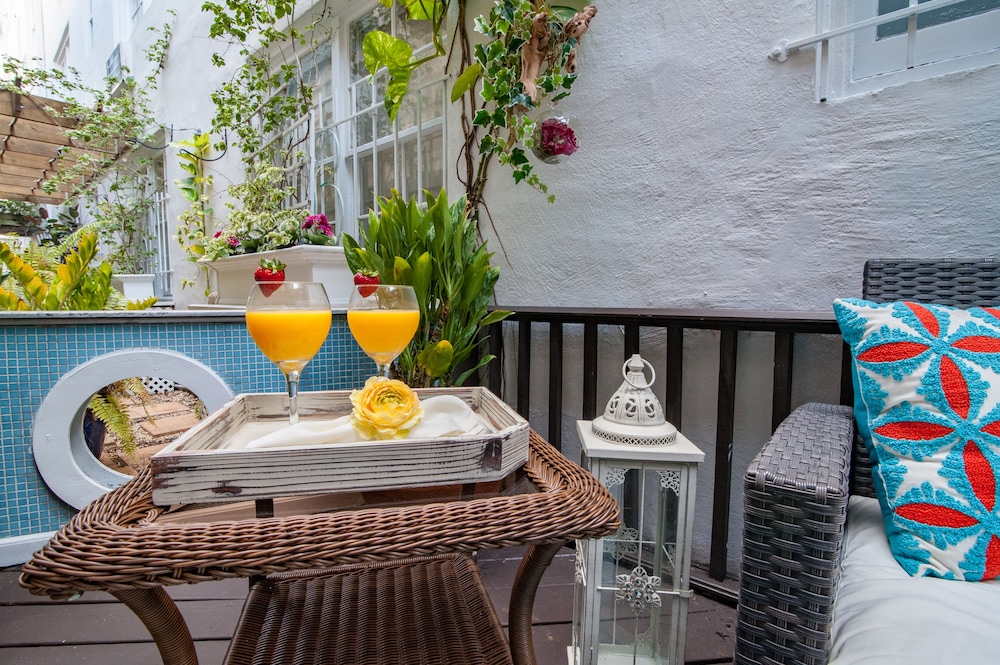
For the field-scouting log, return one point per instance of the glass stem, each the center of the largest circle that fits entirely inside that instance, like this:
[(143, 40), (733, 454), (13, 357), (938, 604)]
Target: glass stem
[(292, 379), (383, 370)]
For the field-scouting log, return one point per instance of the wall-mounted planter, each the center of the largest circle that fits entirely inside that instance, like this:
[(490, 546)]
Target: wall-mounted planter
[(303, 263)]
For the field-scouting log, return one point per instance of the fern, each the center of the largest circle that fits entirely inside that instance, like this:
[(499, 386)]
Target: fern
[(108, 407), (109, 410)]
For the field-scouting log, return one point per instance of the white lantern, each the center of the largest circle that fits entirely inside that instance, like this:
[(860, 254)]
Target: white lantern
[(632, 588)]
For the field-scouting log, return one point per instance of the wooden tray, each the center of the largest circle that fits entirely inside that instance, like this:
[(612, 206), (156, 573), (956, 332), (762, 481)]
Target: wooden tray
[(198, 468)]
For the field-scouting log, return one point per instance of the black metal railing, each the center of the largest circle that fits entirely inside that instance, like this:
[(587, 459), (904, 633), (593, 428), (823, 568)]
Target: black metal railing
[(785, 327)]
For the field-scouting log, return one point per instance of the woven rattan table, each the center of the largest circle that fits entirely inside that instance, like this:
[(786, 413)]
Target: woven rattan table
[(118, 543)]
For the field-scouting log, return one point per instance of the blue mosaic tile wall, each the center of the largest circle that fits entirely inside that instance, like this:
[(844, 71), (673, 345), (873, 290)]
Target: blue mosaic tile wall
[(36, 352)]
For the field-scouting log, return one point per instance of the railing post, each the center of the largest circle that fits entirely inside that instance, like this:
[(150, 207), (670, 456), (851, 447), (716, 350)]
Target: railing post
[(524, 368), (589, 408), (555, 383), (723, 455), (781, 391)]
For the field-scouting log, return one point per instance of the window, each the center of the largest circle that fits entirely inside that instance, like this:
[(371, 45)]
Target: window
[(351, 153), (62, 51), (377, 155), (135, 11), (956, 37)]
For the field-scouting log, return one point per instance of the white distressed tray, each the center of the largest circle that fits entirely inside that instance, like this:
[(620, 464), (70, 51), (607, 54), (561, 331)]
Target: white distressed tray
[(198, 468)]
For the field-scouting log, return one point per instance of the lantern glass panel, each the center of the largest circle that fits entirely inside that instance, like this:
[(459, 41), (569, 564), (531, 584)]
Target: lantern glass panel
[(639, 568)]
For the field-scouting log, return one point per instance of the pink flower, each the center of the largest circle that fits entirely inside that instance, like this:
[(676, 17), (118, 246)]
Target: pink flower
[(557, 137), (319, 221), (218, 234), (233, 241)]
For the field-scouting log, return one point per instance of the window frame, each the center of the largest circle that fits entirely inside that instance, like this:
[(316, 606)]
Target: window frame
[(846, 81)]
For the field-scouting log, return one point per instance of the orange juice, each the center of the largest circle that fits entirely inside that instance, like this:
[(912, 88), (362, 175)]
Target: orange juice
[(383, 333), (289, 338)]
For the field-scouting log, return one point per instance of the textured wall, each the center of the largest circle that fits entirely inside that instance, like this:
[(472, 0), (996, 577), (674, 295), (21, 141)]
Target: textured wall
[(708, 176)]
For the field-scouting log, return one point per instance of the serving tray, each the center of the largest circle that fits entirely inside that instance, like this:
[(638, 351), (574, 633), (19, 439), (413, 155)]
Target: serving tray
[(200, 467)]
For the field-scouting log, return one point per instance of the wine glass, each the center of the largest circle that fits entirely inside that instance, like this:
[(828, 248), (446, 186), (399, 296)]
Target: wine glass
[(383, 320), (289, 321)]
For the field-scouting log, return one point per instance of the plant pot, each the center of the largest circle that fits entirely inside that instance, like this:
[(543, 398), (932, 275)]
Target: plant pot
[(134, 287), (303, 263), (93, 433)]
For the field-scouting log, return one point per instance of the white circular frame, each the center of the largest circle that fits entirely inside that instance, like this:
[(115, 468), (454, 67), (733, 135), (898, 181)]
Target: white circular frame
[(61, 454)]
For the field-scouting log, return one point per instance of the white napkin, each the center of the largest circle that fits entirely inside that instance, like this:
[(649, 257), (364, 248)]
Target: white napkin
[(444, 415)]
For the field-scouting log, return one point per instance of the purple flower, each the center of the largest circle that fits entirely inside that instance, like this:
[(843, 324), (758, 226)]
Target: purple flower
[(218, 234), (233, 241), (556, 137)]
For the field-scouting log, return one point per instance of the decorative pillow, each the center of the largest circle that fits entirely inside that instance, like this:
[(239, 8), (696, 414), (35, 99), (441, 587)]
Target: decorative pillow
[(928, 380)]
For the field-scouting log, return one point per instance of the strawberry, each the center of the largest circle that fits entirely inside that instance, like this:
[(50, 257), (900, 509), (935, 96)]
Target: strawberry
[(367, 279), (270, 270)]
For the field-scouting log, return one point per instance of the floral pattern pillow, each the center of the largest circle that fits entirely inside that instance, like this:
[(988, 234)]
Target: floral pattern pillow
[(929, 380)]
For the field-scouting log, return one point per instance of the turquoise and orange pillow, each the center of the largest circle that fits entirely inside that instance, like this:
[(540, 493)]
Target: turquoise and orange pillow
[(928, 401)]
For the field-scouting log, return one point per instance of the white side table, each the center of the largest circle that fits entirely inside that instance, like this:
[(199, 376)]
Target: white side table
[(632, 588)]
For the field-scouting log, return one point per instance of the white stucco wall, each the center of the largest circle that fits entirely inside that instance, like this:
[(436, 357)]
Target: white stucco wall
[(706, 177)]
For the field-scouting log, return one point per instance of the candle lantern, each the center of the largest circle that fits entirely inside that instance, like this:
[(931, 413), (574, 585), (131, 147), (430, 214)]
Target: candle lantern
[(632, 588)]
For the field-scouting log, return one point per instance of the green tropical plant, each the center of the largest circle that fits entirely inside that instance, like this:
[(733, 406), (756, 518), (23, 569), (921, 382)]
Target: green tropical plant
[(63, 277), (396, 55), (435, 250)]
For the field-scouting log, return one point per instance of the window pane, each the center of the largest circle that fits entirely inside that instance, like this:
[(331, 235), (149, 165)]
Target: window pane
[(378, 18), (933, 17), (366, 183), (433, 162)]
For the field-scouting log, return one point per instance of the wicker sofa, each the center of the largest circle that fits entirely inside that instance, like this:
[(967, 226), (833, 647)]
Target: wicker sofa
[(809, 483)]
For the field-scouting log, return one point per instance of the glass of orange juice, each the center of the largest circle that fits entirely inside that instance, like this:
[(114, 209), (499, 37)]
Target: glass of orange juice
[(289, 321), (383, 320)]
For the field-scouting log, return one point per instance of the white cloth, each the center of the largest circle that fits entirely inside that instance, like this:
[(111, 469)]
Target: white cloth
[(885, 617), (444, 415)]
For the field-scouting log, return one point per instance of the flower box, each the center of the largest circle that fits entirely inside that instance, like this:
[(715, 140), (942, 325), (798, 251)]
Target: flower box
[(304, 263), (200, 467)]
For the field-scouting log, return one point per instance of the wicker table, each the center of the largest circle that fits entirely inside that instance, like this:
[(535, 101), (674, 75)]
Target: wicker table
[(118, 544)]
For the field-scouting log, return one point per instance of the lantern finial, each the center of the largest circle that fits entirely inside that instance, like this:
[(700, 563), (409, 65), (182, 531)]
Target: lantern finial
[(633, 415)]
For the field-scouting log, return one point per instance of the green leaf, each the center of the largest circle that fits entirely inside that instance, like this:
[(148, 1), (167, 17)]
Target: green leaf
[(465, 81), (436, 358), (383, 50), (402, 272), (495, 316), (482, 118)]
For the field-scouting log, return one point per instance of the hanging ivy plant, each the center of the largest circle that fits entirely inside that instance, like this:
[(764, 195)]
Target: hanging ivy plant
[(528, 62)]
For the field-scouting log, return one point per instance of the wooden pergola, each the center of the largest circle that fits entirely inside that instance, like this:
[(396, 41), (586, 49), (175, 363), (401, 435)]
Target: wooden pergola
[(33, 147)]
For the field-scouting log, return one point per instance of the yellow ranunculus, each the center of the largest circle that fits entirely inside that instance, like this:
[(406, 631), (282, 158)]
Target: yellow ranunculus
[(385, 409)]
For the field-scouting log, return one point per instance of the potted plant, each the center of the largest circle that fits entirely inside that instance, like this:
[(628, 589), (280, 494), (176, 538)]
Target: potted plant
[(260, 228), (62, 277), (433, 248)]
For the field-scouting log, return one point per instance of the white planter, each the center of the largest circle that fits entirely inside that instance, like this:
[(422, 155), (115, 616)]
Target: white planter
[(303, 263), (134, 287)]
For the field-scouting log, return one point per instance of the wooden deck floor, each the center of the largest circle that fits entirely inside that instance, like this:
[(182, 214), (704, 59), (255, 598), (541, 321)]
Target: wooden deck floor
[(97, 629)]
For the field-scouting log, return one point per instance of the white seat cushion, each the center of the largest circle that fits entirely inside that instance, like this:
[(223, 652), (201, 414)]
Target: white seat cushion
[(884, 616)]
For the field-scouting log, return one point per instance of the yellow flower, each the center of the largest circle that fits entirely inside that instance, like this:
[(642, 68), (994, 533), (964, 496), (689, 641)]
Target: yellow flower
[(385, 409)]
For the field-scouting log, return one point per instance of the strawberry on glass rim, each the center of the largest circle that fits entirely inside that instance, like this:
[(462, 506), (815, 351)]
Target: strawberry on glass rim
[(366, 278), (269, 270)]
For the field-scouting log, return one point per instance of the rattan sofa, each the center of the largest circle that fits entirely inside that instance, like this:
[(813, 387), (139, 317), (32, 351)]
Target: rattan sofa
[(798, 487)]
